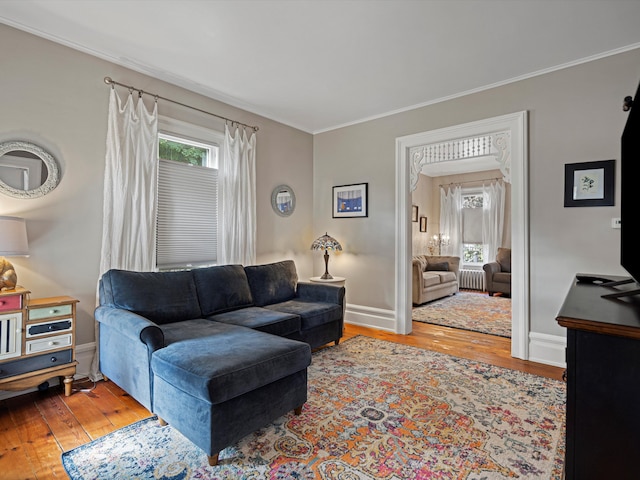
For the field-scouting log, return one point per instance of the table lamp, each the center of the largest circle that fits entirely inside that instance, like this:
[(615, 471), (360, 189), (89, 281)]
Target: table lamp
[(326, 243), (13, 242)]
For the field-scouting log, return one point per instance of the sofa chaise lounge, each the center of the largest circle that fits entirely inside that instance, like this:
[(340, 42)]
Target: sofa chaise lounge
[(216, 352)]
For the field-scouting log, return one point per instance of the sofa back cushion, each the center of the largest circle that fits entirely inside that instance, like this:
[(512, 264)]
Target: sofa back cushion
[(272, 282), (222, 288), (162, 297)]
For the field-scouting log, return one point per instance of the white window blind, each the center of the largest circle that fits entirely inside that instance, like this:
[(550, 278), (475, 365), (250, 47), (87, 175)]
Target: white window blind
[(187, 215), (472, 225)]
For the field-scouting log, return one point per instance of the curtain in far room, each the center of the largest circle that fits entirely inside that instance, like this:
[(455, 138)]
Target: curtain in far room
[(238, 198), (451, 219), (492, 219), (130, 186)]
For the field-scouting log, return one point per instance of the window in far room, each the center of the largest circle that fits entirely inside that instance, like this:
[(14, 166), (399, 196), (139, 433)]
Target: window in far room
[(187, 221), (472, 246)]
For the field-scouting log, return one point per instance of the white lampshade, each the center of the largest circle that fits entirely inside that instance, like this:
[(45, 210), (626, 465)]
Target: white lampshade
[(13, 237)]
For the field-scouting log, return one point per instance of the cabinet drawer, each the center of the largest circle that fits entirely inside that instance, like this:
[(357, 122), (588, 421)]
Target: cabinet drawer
[(49, 343), (39, 329), (38, 362), (10, 302), (46, 312)]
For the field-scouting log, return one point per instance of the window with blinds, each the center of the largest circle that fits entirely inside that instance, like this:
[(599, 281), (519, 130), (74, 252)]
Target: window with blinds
[(472, 246), (187, 222)]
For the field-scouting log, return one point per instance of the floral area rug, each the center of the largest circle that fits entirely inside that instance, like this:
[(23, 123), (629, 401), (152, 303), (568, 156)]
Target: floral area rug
[(473, 311), (376, 410)]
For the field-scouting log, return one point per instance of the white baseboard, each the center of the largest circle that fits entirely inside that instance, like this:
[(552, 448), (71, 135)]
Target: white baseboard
[(84, 356), (547, 349), (370, 317)]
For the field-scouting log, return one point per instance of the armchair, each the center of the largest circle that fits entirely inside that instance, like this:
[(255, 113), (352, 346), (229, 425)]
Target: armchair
[(497, 275)]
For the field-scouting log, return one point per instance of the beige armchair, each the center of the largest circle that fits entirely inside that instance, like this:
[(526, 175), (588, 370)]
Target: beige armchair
[(434, 277), (497, 275)]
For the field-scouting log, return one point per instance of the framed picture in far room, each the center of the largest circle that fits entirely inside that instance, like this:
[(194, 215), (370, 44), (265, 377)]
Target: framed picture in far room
[(423, 224), (350, 201), (414, 213), (589, 184)]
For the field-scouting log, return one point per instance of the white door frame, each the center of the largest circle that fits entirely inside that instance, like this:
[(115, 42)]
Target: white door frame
[(517, 124)]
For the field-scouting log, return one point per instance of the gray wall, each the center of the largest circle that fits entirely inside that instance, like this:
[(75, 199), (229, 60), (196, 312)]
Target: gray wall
[(575, 115), (56, 97)]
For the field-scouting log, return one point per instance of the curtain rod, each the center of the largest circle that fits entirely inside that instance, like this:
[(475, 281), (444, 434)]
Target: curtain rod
[(110, 81), (470, 181)]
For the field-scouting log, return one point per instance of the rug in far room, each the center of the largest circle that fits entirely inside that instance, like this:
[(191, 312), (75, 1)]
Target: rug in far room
[(376, 410), (474, 311)]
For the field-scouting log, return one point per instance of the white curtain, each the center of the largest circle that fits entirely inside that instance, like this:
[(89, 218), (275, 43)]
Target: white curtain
[(238, 199), (492, 219), (130, 186), (451, 219)]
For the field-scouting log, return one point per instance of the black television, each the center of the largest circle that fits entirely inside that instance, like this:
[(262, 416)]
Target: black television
[(629, 172)]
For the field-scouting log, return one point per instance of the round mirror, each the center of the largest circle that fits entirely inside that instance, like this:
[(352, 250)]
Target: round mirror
[(283, 200), (26, 170)]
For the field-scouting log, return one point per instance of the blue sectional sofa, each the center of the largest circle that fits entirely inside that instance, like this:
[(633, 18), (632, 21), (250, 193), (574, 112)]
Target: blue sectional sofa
[(217, 352)]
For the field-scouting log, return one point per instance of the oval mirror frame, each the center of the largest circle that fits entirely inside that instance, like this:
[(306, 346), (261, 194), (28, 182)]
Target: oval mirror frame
[(284, 209), (53, 173)]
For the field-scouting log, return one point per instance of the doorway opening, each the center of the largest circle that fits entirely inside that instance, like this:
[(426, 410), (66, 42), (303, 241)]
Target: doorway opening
[(513, 161)]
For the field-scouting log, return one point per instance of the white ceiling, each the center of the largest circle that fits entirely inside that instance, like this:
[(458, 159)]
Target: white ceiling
[(320, 64)]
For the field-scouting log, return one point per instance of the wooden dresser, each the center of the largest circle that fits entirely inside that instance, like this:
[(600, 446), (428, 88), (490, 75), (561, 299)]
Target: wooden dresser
[(603, 383), (38, 340)]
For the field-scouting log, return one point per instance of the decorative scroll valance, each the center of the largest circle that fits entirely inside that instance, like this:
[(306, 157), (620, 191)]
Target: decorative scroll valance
[(496, 145)]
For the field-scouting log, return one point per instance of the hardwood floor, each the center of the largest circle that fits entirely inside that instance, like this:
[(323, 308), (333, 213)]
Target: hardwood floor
[(37, 427)]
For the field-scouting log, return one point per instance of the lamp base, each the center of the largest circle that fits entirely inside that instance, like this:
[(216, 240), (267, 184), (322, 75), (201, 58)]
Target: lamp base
[(326, 276), (8, 277)]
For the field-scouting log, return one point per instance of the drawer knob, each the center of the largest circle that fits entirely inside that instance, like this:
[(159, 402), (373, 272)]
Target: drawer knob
[(52, 343), (54, 359), (53, 310), (2, 302)]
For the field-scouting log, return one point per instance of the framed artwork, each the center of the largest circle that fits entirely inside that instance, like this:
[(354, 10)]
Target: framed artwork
[(423, 224), (350, 201), (414, 213), (589, 184)]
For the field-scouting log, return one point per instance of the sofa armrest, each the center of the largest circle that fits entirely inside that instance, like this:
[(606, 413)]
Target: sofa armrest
[(132, 326), (491, 267), (321, 292), (418, 266)]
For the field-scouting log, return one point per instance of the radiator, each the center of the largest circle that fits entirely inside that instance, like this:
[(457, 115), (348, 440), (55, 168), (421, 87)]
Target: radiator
[(472, 279)]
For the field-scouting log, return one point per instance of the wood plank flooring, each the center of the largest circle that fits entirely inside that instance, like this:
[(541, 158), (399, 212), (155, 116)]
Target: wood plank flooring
[(37, 427)]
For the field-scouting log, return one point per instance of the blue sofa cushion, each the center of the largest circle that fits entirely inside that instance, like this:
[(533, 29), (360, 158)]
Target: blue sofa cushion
[(272, 282), (230, 362), (311, 313), (162, 297), (262, 319), (186, 330), (222, 288)]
